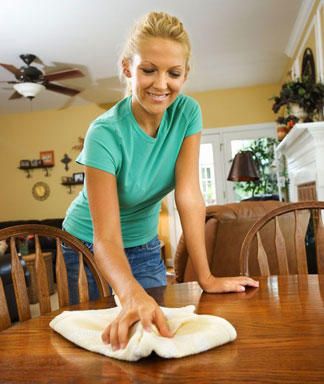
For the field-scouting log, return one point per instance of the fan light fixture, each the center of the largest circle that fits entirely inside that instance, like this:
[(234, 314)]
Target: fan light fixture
[(29, 90)]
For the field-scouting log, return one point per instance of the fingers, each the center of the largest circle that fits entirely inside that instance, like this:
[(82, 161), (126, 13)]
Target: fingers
[(243, 282), (228, 284), (161, 324), (117, 333), (146, 321), (251, 282), (105, 336)]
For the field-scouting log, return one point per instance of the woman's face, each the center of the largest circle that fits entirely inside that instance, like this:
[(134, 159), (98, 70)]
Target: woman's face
[(157, 72)]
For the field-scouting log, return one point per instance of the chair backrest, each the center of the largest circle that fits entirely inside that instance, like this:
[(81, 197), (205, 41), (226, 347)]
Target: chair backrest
[(225, 229), (13, 233), (307, 214)]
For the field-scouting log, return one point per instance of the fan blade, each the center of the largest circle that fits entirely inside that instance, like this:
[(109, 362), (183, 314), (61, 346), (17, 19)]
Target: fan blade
[(9, 82), (15, 95), (12, 69), (65, 74), (61, 89)]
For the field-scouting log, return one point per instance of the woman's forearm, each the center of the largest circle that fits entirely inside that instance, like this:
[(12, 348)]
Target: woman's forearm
[(114, 267), (192, 215)]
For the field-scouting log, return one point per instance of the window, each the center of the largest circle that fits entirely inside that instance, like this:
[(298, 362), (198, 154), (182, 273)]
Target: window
[(207, 173)]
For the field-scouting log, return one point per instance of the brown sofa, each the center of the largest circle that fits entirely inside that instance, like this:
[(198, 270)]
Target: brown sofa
[(225, 228)]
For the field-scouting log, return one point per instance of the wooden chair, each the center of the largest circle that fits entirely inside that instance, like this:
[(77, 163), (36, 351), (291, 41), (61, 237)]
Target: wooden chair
[(85, 256), (302, 214)]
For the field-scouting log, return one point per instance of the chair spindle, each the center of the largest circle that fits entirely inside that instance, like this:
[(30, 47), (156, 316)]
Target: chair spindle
[(19, 283), (61, 276), (82, 281)]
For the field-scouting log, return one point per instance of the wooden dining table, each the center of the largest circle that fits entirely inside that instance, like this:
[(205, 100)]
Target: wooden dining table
[(280, 339)]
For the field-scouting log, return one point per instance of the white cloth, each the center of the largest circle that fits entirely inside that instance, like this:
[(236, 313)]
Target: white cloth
[(192, 333)]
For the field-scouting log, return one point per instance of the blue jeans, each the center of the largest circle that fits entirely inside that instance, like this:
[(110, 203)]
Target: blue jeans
[(145, 261)]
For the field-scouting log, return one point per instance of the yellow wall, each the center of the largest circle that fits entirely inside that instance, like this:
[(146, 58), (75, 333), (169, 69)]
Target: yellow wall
[(237, 106), (23, 136)]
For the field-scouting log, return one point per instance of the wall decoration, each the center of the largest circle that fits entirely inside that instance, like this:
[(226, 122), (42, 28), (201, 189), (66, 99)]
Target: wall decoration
[(41, 191), (79, 146), (78, 177), (308, 66), (47, 157), (67, 179), (30, 165), (24, 164), (36, 163), (65, 160)]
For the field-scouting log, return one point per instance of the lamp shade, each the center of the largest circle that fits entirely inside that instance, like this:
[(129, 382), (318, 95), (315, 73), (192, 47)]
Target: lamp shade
[(29, 90), (243, 168)]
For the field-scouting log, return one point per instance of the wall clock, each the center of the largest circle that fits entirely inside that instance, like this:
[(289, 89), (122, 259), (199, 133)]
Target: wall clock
[(40, 191)]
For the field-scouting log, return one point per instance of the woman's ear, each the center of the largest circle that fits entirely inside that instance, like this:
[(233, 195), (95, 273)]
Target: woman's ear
[(126, 68), (186, 73)]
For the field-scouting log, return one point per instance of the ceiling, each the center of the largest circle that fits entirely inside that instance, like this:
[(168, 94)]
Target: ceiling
[(236, 43)]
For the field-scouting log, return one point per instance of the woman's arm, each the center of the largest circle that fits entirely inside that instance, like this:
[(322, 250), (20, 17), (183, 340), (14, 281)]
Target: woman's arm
[(191, 208), (112, 262)]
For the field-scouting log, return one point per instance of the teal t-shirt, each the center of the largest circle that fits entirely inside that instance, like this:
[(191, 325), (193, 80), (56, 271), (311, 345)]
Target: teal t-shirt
[(144, 166)]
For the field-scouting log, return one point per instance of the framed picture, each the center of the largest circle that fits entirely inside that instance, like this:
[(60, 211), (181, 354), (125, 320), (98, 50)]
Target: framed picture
[(34, 163), (78, 177), (24, 163), (47, 158)]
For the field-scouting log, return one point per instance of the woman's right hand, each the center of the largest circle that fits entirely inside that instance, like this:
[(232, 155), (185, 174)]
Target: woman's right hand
[(138, 306)]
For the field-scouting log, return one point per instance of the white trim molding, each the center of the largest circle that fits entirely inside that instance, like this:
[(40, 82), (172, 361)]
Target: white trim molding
[(236, 128), (299, 26), (296, 70), (306, 37), (319, 45)]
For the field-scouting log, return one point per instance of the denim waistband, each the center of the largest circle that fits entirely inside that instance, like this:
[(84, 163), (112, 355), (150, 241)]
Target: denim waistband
[(147, 245)]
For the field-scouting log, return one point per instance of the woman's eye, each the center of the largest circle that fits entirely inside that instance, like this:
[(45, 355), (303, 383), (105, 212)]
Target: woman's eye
[(175, 74), (147, 70)]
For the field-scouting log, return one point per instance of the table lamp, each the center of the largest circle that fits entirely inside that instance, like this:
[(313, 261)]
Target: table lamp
[(244, 168)]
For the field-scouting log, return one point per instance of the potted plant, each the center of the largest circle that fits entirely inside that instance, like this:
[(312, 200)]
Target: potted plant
[(263, 154), (284, 125), (307, 95)]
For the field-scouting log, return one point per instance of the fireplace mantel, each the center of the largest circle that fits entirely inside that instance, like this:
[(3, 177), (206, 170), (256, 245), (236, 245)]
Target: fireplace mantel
[(303, 149)]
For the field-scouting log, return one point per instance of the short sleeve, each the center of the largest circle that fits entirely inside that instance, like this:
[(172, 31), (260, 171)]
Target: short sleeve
[(195, 120), (101, 148)]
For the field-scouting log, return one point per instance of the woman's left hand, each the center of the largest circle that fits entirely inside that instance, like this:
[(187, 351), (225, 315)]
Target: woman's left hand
[(227, 284)]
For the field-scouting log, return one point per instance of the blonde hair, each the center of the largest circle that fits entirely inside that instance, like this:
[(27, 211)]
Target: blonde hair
[(155, 24)]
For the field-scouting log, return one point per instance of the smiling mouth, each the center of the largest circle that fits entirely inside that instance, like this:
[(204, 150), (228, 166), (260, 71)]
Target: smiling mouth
[(158, 97)]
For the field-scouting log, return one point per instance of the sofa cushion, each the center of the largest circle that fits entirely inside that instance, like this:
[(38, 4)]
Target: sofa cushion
[(56, 222)]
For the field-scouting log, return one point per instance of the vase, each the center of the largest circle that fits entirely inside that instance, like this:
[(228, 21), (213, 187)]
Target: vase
[(297, 110)]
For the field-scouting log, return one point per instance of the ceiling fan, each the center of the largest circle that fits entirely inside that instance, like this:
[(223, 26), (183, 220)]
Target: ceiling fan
[(30, 80)]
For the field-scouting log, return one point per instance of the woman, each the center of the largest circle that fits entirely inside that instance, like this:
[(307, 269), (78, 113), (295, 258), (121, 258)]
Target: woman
[(134, 154)]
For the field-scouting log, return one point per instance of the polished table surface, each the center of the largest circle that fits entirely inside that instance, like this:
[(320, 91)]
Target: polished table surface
[(280, 328)]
